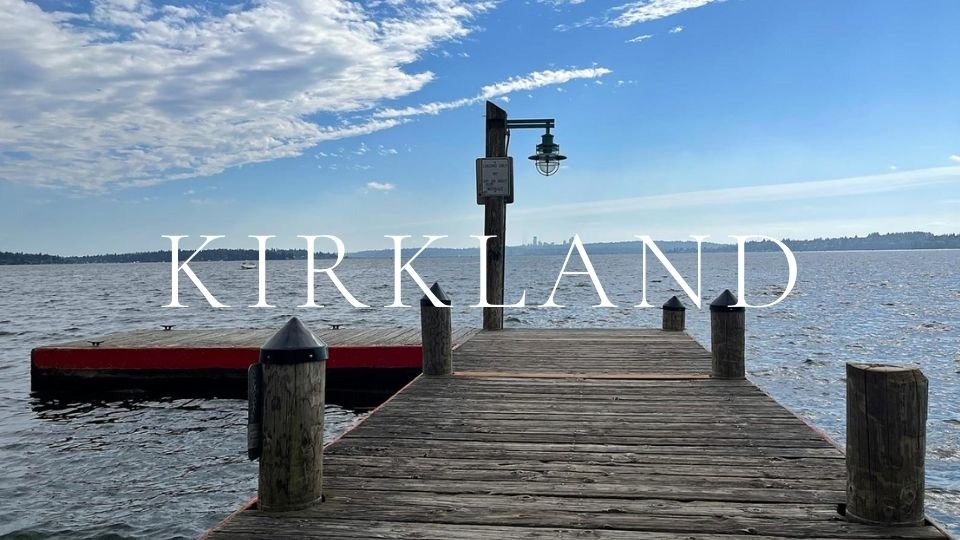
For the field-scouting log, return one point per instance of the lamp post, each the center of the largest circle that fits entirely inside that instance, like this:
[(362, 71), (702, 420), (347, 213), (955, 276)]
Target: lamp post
[(547, 158)]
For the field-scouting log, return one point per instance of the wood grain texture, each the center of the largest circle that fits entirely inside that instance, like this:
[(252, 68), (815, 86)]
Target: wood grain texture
[(674, 320), (495, 221), (437, 342), (886, 442), (542, 446), (727, 344), (291, 462), (254, 411)]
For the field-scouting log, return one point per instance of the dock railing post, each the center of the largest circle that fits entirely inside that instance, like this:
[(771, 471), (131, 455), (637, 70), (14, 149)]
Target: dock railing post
[(674, 315), (436, 334), (886, 441), (727, 337), (293, 364)]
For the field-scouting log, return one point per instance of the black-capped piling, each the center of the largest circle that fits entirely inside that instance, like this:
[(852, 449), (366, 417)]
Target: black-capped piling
[(436, 331), (293, 364), (727, 337), (674, 315)]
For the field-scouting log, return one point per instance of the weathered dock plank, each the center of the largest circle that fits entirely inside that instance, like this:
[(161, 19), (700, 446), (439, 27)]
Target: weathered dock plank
[(602, 434), (560, 352)]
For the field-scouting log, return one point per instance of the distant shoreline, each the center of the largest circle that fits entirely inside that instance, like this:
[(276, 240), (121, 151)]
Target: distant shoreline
[(907, 241), (238, 255)]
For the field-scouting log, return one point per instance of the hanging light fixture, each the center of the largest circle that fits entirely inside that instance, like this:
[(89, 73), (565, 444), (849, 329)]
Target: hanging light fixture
[(548, 156)]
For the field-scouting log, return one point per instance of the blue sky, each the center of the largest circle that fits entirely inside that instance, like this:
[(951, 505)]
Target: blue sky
[(122, 120)]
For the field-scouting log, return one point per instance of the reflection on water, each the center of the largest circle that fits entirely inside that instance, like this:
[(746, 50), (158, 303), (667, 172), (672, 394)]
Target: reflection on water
[(171, 466)]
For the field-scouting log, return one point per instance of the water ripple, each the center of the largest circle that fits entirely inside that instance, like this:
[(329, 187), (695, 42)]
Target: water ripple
[(172, 468)]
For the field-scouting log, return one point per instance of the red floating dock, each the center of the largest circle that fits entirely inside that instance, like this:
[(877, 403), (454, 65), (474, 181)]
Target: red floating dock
[(215, 362)]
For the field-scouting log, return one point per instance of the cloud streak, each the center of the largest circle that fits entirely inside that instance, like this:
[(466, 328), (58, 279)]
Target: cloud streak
[(796, 191), (381, 186), (844, 187), (531, 81), (650, 10), (637, 12)]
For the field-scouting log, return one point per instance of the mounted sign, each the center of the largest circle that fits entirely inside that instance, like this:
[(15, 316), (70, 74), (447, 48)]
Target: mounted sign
[(494, 179)]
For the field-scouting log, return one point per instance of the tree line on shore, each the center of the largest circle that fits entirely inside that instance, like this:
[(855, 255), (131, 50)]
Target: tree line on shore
[(7, 257), (873, 241)]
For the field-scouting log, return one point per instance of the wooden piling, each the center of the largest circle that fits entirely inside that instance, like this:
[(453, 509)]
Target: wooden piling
[(495, 221), (674, 315), (886, 441), (436, 334), (727, 339), (254, 410), (291, 460)]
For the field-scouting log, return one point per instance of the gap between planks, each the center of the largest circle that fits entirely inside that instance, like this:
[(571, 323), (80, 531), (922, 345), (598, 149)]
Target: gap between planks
[(584, 375)]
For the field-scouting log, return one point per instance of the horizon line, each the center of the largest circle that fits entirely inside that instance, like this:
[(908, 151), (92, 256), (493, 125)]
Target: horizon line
[(550, 244)]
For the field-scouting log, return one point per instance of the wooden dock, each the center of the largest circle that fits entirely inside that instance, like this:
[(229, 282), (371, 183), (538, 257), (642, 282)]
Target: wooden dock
[(362, 359), (601, 434)]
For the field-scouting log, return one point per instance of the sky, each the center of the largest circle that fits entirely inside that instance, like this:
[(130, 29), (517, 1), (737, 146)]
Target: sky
[(124, 120)]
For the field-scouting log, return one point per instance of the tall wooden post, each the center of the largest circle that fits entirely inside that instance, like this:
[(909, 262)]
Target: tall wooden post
[(495, 221), (436, 334), (886, 441), (727, 337), (291, 459), (674, 315)]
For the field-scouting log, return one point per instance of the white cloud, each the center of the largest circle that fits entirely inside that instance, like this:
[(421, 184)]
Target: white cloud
[(384, 151), (132, 93), (844, 187), (639, 39), (650, 10), (636, 12), (955, 157), (381, 186), (540, 79), (537, 79)]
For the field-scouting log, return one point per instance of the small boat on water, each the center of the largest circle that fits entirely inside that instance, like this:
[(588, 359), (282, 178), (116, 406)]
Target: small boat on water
[(248, 266)]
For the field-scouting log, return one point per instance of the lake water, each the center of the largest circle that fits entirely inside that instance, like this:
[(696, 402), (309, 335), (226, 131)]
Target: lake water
[(168, 468)]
